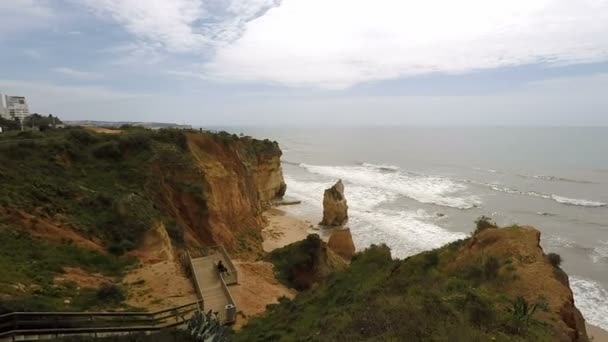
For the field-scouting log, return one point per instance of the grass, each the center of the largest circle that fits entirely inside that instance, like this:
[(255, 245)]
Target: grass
[(102, 184), (29, 268), (110, 188), (416, 299)]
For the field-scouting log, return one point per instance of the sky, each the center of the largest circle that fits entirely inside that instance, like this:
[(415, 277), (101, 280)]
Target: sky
[(310, 62)]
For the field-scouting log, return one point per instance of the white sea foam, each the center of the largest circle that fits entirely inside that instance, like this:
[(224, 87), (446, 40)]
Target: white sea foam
[(558, 241), (556, 198), (485, 170), (600, 253), (424, 189), (553, 178), (580, 202), (592, 299), (406, 232)]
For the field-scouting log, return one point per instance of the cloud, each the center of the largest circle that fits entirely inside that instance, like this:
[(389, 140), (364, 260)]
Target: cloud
[(82, 75), (340, 43), (181, 25)]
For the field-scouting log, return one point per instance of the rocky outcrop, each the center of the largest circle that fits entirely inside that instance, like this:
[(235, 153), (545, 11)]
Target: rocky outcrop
[(341, 242), (535, 277), (335, 209), (307, 262)]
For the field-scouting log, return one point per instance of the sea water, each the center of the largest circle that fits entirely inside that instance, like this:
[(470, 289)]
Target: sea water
[(418, 188)]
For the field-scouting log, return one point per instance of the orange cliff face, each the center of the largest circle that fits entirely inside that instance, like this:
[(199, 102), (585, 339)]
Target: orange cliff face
[(236, 179)]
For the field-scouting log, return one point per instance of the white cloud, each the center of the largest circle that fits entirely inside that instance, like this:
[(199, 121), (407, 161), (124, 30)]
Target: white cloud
[(181, 25), (83, 75), (339, 43)]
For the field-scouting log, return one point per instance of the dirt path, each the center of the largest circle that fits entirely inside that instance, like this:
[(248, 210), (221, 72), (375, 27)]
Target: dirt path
[(257, 288)]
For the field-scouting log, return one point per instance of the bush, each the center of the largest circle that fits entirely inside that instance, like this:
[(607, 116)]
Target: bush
[(555, 259), (107, 150), (484, 223), (81, 136), (135, 140), (173, 136), (110, 293)]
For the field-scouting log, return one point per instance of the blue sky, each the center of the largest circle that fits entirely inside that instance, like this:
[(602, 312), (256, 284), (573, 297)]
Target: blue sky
[(310, 62)]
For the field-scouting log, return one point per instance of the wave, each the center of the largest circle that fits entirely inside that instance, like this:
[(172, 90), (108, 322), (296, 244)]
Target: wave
[(554, 178), (406, 232), (485, 170), (556, 198), (421, 188), (290, 162), (580, 202), (591, 299), (382, 167), (558, 241)]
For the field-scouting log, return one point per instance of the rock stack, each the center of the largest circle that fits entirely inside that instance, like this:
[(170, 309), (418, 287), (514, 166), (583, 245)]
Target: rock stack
[(341, 242), (335, 209)]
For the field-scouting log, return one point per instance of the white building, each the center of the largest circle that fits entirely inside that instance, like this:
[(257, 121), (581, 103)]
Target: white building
[(17, 107), (3, 110)]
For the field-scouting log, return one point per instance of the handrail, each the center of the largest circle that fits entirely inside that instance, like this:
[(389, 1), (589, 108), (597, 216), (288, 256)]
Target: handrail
[(196, 284), (230, 264), (50, 322), (230, 315)]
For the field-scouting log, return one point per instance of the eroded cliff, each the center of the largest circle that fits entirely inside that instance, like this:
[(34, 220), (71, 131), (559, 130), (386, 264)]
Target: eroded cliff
[(106, 196)]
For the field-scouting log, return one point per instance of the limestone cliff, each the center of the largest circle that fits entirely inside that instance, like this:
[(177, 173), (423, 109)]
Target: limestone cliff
[(535, 276), (238, 178), (341, 242), (335, 208)]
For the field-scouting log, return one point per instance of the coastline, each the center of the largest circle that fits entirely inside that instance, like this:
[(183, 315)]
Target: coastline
[(596, 334), (284, 228)]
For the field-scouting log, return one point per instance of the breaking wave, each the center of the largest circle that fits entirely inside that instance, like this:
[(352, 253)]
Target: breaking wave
[(580, 202), (554, 178), (556, 198), (591, 299), (422, 188), (382, 167), (406, 232)]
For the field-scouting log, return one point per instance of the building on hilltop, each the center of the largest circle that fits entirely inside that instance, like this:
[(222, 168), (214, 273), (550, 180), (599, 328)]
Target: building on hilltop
[(17, 108)]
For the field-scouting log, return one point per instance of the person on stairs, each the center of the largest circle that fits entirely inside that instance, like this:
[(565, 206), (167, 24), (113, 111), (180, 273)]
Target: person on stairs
[(221, 268)]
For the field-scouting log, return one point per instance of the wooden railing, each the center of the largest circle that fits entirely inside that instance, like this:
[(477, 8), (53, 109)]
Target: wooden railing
[(21, 325), (229, 315)]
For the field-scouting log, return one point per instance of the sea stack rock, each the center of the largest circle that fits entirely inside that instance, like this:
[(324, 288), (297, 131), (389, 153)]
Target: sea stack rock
[(335, 210), (341, 242)]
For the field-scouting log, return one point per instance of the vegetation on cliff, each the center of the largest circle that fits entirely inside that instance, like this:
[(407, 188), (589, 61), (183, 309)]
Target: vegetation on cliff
[(478, 289), (75, 193)]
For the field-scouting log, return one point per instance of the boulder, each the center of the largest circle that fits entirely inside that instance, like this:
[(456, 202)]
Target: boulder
[(335, 209), (341, 242)]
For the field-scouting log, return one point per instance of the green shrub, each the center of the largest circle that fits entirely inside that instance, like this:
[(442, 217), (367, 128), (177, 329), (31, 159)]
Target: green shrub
[(109, 150), (82, 136), (135, 140), (110, 293), (555, 259), (484, 223)]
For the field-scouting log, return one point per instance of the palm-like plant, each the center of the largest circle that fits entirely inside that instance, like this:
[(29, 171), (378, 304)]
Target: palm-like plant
[(207, 327)]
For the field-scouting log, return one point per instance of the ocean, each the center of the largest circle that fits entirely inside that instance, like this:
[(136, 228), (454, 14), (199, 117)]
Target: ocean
[(418, 188)]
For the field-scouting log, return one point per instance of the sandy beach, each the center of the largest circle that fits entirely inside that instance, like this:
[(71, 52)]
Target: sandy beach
[(283, 229), (596, 334)]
